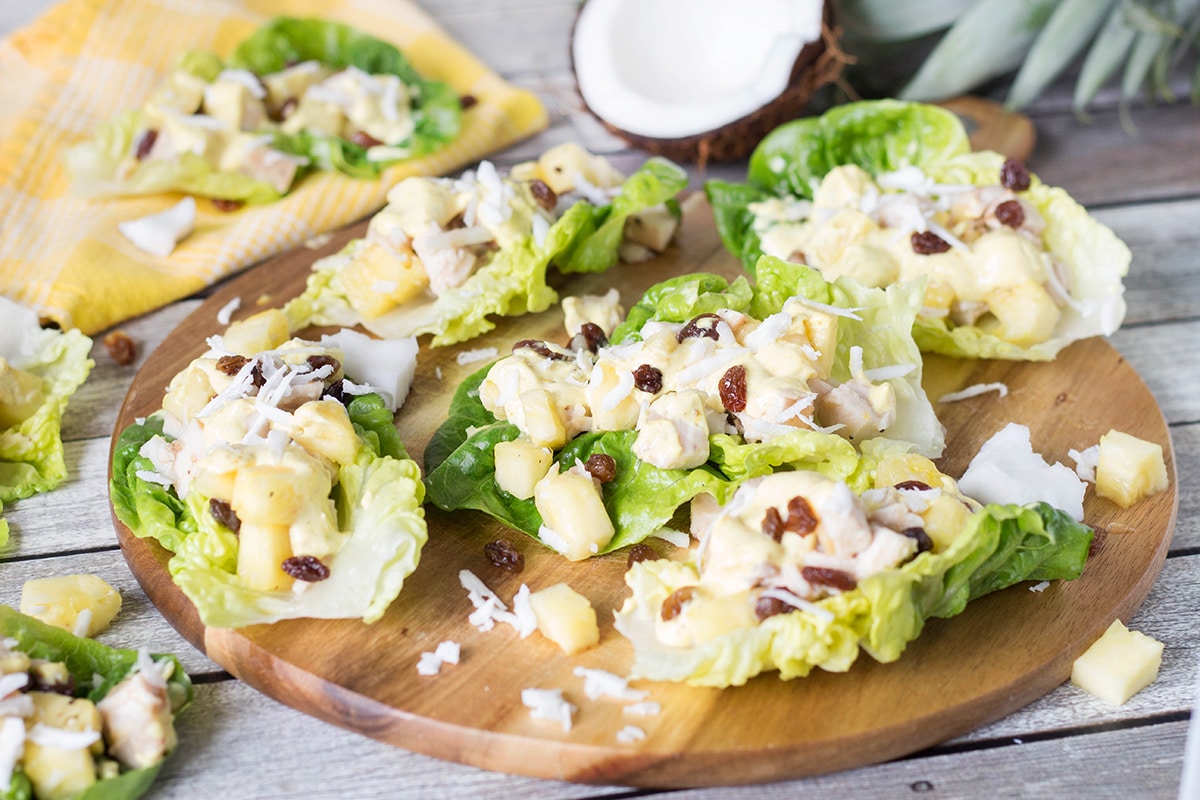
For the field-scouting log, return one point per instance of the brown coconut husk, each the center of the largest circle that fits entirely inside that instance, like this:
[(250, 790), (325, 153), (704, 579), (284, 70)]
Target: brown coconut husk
[(818, 64)]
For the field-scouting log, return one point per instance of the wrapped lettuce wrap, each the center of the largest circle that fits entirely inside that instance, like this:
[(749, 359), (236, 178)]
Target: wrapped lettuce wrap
[(289, 498), (503, 418), (136, 694), (298, 95), (446, 255), (796, 573), (39, 371), (884, 191)]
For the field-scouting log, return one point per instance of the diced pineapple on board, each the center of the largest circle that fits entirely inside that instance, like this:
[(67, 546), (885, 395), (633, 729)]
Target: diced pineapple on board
[(1118, 665), (82, 604), (565, 617), (1129, 468)]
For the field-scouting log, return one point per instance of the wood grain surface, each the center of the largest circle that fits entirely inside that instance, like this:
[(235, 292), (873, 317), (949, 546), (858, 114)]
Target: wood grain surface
[(1006, 650)]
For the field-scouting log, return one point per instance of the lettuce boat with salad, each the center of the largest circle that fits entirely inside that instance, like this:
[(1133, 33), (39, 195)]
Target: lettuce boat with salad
[(798, 571), (298, 95), (446, 254), (82, 720), (279, 484), (595, 446), (40, 369), (885, 191)]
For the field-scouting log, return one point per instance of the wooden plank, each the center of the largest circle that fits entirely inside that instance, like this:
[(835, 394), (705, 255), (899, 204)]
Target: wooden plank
[(1159, 354)]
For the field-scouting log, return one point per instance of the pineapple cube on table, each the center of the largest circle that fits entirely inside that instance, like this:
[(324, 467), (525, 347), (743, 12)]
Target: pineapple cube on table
[(82, 604), (1129, 468), (1118, 665), (565, 617)]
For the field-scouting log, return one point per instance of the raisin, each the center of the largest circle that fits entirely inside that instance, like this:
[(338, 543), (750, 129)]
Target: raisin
[(38, 683), (120, 347), (801, 517), (827, 576), (648, 379), (540, 348), (231, 365), (732, 389), (305, 568), (593, 336), (316, 362), (223, 513), (226, 205), (337, 391), (256, 375), (602, 467), (504, 555), (735, 423), (467, 101), (543, 194), (693, 328), (917, 486), (1010, 213), (1014, 175), (769, 607), (772, 524), (924, 543), (925, 243), (672, 607), (364, 139), (288, 107), (145, 144), (641, 552)]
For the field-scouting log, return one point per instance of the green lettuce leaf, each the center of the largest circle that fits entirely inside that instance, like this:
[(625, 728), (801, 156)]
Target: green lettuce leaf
[(87, 659), (31, 452), (885, 135), (378, 498), (1000, 546)]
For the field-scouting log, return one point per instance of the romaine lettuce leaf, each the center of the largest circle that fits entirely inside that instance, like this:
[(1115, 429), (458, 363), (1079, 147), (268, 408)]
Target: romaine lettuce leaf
[(1001, 546), (886, 135), (31, 452), (88, 660), (378, 498)]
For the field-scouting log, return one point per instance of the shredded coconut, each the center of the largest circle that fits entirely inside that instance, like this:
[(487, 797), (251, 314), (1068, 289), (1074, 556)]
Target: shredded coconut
[(1040, 587), (472, 356), (630, 734), (12, 747), (597, 683), (61, 738), (974, 391), (646, 708), (83, 622), (677, 538), (548, 704), (1085, 462), (445, 653), (226, 312)]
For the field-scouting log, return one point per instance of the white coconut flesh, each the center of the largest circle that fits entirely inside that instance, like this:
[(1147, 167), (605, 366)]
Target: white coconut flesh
[(673, 68)]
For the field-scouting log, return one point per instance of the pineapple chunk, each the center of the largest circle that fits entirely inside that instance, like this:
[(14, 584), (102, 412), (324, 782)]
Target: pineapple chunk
[(520, 464), (267, 494), (910, 467), (1025, 313), (262, 549), (945, 518), (561, 166), (540, 420), (57, 773), (323, 428), (652, 227), (82, 604), (188, 392), (576, 522), (20, 394), (1129, 468), (265, 330), (565, 617), (704, 617), (379, 279), (1118, 665)]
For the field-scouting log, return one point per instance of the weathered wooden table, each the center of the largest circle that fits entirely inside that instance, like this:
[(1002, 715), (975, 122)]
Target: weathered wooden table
[(1142, 179)]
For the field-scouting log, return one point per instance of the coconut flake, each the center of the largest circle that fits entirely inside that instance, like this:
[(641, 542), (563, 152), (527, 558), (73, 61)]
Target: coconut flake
[(226, 312), (386, 365), (677, 538), (630, 734), (154, 477), (447, 652), (12, 747), (548, 704), (1007, 470), (888, 373), (82, 623), (473, 356), (646, 708), (44, 735), (796, 601), (157, 234), (12, 682), (837, 311), (1040, 587), (974, 390), (1086, 462), (597, 683), (526, 620)]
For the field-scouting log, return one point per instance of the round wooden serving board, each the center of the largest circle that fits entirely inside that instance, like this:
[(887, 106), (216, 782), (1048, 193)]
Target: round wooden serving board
[(1006, 650)]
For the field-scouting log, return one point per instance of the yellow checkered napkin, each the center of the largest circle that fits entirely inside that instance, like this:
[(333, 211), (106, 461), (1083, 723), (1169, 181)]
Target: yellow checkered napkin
[(87, 60)]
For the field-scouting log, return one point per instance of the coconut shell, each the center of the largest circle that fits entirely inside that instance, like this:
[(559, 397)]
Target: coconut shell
[(820, 62)]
